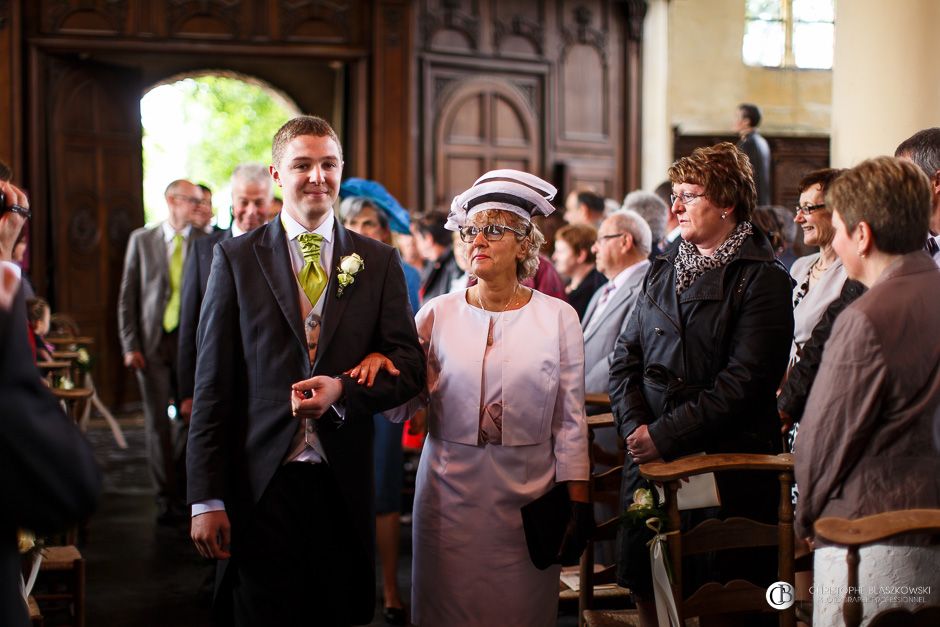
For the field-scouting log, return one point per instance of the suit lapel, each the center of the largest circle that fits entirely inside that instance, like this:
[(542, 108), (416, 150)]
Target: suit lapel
[(617, 301), (158, 254), (334, 307), (592, 305), (274, 259)]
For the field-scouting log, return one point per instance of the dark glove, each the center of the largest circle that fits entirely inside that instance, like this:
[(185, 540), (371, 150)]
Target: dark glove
[(580, 530)]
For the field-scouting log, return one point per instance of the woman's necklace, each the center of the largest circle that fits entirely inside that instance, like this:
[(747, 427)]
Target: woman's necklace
[(492, 325)]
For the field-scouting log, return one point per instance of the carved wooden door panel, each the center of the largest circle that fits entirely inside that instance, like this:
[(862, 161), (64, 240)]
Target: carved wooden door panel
[(483, 124), (95, 199)]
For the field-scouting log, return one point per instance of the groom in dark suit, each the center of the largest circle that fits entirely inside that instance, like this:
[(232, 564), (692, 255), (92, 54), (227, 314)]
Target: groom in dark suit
[(284, 495)]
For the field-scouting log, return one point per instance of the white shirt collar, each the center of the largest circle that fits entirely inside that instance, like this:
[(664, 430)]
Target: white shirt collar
[(625, 274), (235, 230), (293, 228), (169, 233)]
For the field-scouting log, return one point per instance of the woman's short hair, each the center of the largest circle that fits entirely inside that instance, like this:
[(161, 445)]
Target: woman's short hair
[(580, 237), (352, 206), (725, 173), (530, 263), (822, 177), (891, 195)]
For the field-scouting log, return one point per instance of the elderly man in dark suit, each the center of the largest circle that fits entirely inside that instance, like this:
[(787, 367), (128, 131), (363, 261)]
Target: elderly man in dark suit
[(148, 322), (280, 442), (50, 478), (252, 193)]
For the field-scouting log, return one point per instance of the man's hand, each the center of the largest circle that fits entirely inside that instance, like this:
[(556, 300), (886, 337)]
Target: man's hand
[(134, 360), (311, 398), (186, 409), (370, 366), (212, 533), (640, 446)]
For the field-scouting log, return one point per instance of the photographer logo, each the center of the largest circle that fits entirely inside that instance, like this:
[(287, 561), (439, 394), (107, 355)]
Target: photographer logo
[(780, 595)]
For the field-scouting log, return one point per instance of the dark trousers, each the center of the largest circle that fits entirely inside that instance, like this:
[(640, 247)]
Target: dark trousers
[(295, 555), (165, 439)]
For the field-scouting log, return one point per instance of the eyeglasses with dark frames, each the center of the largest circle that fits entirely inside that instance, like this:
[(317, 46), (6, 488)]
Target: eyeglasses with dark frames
[(491, 232), (605, 238), (808, 209), (685, 198)]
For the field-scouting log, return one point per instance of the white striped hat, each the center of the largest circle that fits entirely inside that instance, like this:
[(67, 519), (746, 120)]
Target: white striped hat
[(518, 192)]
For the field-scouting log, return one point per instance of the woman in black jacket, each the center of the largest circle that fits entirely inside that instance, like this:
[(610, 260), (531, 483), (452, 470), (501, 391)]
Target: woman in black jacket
[(699, 364)]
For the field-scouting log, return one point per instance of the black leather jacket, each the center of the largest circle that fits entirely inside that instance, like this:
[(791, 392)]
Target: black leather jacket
[(702, 369)]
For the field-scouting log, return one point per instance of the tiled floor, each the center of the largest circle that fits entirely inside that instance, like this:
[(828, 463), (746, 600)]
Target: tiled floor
[(140, 574)]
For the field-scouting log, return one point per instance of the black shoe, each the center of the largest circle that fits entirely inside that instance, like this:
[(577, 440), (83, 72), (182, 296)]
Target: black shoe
[(394, 616)]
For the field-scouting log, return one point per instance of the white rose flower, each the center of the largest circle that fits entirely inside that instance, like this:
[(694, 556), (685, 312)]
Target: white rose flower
[(351, 264)]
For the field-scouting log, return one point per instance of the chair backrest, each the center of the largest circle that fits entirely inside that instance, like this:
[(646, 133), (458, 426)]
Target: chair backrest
[(738, 595), (604, 487), (859, 532)]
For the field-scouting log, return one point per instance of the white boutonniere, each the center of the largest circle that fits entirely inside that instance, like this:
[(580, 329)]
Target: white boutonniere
[(349, 267)]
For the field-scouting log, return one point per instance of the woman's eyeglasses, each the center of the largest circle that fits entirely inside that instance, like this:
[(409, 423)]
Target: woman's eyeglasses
[(491, 232), (685, 198), (808, 209)]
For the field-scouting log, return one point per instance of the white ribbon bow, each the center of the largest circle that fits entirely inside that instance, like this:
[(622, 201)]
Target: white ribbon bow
[(666, 612)]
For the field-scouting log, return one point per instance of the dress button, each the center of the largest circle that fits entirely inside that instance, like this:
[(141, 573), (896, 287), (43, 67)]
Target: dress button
[(658, 331)]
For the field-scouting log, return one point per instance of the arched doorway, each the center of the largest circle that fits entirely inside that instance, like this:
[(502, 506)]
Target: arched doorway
[(89, 173), (200, 125)]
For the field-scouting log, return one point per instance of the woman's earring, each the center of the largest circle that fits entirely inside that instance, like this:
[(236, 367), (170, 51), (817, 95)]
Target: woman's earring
[(724, 214)]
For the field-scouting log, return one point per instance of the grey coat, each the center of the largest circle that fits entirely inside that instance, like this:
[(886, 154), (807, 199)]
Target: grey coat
[(145, 289), (601, 335)]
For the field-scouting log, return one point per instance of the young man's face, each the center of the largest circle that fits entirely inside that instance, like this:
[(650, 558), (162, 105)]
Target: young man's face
[(309, 175)]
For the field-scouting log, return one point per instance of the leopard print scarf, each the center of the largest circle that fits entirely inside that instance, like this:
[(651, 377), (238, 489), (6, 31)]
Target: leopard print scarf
[(690, 264)]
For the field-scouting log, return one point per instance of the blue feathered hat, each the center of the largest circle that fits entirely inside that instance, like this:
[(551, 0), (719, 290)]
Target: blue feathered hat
[(398, 219)]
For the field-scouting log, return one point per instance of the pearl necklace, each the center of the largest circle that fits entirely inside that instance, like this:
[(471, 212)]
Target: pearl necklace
[(492, 325)]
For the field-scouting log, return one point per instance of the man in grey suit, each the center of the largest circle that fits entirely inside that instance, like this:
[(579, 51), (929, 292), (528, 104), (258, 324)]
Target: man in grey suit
[(148, 319), (622, 250), (622, 247)]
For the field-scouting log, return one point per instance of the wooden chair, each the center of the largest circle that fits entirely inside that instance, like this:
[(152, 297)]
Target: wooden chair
[(74, 401), (62, 581), (597, 583), (714, 600), (853, 534), (35, 616), (737, 596), (64, 336)]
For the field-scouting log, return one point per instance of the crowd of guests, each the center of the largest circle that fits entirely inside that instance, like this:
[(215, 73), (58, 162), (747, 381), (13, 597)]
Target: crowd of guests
[(293, 346)]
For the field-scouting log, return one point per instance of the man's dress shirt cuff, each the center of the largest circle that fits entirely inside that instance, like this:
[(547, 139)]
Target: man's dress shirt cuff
[(204, 507)]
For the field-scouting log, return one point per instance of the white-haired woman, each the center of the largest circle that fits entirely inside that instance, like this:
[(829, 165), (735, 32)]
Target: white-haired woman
[(505, 406)]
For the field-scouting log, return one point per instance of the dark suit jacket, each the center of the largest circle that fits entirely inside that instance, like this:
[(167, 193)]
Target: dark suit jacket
[(758, 151), (251, 348), (50, 478), (580, 297), (437, 276), (195, 279)]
